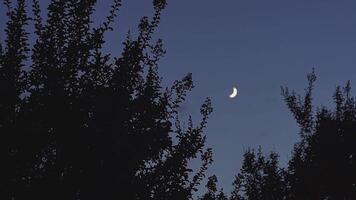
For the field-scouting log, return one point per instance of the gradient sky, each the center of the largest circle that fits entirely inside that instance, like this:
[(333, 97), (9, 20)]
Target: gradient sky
[(257, 45)]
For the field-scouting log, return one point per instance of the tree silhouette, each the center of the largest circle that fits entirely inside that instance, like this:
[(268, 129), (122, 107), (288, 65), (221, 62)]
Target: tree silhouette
[(213, 193), (77, 123), (323, 165), (259, 178), (212, 189), (12, 85)]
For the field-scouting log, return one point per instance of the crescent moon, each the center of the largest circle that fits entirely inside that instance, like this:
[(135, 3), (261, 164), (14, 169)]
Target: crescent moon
[(234, 93)]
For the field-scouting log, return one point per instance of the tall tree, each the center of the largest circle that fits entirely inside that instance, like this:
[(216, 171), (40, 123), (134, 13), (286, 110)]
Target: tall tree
[(322, 166), (86, 125), (259, 178), (213, 193), (12, 85)]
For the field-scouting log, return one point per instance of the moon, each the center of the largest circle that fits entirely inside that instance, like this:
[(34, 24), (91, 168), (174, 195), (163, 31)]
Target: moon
[(234, 93)]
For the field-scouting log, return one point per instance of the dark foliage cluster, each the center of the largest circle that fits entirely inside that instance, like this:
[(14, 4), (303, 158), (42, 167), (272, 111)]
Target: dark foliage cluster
[(323, 162), (77, 123), (259, 178)]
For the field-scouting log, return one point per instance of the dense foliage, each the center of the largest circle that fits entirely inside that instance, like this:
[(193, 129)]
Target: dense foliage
[(77, 123), (323, 164)]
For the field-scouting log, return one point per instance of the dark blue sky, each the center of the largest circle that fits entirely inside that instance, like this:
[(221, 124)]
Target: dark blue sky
[(258, 46)]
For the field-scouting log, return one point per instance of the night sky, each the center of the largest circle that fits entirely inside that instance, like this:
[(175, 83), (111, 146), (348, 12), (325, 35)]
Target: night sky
[(257, 46)]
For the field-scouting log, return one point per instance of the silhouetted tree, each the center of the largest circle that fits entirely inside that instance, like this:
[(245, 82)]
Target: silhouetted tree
[(213, 193), (212, 189), (259, 178), (221, 195), (77, 123), (323, 163), (12, 85)]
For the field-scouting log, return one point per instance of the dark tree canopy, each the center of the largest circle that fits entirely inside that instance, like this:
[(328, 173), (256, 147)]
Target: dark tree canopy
[(260, 178), (323, 163), (213, 193), (78, 123)]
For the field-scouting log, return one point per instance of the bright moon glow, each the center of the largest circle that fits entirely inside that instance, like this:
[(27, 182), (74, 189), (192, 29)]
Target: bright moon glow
[(234, 93)]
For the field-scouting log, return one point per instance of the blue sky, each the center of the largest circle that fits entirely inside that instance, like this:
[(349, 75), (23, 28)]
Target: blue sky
[(257, 46)]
